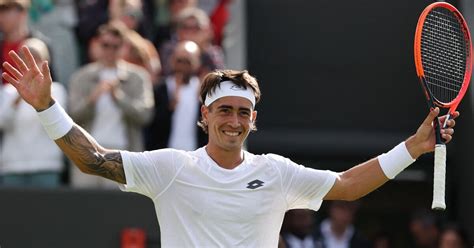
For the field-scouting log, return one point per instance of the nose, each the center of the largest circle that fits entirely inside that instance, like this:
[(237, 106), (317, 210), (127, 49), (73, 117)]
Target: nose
[(234, 121)]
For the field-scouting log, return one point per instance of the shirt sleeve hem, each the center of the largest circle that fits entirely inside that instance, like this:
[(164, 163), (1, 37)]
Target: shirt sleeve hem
[(128, 170), (328, 184)]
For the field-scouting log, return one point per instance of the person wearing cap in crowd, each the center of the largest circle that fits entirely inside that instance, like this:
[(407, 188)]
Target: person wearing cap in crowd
[(218, 195)]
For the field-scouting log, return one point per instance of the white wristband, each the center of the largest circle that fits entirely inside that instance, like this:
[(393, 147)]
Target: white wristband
[(395, 161), (55, 121)]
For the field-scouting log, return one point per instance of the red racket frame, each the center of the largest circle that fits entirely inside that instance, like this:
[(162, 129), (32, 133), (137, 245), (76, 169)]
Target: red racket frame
[(418, 63)]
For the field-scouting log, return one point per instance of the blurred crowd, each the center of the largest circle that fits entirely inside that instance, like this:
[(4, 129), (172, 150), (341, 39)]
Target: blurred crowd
[(129, 72), (339, 229)]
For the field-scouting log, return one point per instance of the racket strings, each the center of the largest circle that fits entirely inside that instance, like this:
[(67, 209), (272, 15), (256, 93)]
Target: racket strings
[(443, 53)]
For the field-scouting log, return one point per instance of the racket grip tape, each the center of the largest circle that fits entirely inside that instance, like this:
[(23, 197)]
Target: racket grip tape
[(439, 180)]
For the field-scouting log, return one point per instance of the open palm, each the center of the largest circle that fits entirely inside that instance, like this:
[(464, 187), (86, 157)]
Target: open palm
[(33, 84)]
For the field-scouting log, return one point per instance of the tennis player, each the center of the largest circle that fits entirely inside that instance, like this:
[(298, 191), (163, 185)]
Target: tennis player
[(218, 195)]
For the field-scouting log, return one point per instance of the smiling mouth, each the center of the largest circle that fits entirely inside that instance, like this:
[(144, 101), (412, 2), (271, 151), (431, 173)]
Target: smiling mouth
[(232, 134)]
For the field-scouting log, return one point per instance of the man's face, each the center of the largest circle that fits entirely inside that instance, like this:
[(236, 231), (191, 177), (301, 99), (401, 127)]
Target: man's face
[(110, 47), (342, 214), (189, 30), (184, 62), (10, 18), (230, 120)]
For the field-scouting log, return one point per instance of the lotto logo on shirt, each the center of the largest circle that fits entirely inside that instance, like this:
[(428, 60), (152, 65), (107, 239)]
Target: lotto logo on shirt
[(255, 184)]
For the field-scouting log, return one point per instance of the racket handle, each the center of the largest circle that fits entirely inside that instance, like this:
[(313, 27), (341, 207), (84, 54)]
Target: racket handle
[(439, 180)]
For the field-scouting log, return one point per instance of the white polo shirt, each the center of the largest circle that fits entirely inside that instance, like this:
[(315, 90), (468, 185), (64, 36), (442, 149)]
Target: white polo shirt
[(200, 204)]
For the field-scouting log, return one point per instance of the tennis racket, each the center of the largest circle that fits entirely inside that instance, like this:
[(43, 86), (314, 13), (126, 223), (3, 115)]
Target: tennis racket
[(443, 60)]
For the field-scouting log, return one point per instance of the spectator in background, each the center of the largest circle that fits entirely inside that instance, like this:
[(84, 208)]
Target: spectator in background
[(177, 104), (453, 236), (112, 99), (193, 24), (424, 229), (14, 27), (298, 229), (57, 20), (132, 14), (43, 164), (166, 12), (141, 52), (338, 229)]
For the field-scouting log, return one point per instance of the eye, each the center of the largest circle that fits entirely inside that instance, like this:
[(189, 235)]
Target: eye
[(245, 113)]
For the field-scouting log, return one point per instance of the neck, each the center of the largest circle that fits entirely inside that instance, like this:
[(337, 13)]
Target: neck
[(109, 64), (227, 159), (338, 230), (182, 79)]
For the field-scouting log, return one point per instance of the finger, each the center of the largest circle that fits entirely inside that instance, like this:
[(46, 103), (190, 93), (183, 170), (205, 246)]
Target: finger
[(10, 79), (12, 70), (449, 131), (455, 115), (30, 60), (18, 62), (46, 72), (451, 123), (447, 138), (431, 116)]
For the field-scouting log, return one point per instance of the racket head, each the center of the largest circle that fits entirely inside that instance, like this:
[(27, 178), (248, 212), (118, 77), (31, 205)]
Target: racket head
[(443, 54)]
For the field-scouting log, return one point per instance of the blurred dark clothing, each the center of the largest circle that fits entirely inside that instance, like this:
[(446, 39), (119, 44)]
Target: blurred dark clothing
[(146, 26), (357, 240), (91, 14), (157, 133)]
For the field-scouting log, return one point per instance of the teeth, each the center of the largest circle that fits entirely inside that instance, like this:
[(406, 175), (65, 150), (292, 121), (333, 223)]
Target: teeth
[(231, 133)]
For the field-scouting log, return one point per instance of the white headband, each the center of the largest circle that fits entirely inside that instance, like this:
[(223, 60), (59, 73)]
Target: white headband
[(228, 88)]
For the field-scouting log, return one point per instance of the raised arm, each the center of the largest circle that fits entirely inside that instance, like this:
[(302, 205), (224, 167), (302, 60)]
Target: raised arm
[(90, 157), (362, 179), (34, 86)]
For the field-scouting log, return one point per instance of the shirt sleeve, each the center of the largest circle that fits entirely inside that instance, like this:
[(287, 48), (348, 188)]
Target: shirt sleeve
[(304, 187), (150, 173)]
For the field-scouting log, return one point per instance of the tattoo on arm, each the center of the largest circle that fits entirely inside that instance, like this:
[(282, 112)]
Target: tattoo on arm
[(90, 157)]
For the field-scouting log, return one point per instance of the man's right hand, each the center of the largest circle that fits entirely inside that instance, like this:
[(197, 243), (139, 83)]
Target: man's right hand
[(33, 84)]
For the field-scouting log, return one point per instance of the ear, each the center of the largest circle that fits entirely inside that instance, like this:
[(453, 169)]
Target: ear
[(254, 116), (204, 112)]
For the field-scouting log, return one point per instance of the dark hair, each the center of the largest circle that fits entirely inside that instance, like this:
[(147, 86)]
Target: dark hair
[(115, 28), (213, 79)]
